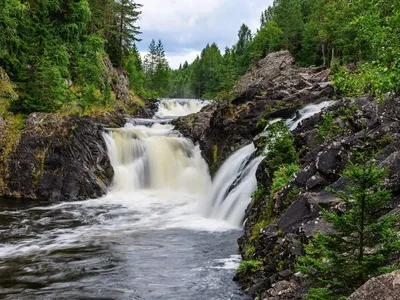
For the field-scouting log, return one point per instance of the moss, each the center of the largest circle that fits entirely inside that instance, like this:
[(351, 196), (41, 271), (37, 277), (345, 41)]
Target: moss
[(215, 159), (282, 265), (37, 172), (385, 140), (9, 140), (256, 230), (215, 154), (328, 128), (268, 109), (191, 119), (259, 193), (247, 266)]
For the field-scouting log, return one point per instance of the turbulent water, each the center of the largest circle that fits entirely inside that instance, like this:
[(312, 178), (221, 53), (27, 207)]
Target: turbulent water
[(164, 231), (147, 239)]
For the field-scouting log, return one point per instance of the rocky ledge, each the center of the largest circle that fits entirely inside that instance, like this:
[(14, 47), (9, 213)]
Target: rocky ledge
[(54, 158), (276, 87), (280, 223)]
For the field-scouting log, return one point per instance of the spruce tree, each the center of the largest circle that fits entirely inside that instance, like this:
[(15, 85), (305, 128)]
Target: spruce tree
[(362, 241), (126, 31)]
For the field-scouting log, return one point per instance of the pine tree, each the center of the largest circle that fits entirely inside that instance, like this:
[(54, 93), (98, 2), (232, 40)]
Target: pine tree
[(150, 59), (362, 242), (126, 31), (134, 68), (242, 49)]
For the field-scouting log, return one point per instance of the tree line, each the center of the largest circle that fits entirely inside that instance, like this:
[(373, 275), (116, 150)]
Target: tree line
[(54, 51), (359, 39)]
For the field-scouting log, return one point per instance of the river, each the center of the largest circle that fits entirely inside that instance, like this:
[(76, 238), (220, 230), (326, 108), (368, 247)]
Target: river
[(149, 238), (164, 230)]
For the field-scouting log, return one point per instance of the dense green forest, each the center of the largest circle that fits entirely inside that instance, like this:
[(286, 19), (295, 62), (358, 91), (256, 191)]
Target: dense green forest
[(54, 53), (54, 50), (359, 39)]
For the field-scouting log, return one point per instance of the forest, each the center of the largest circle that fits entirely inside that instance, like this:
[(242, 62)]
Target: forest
[(358, 39), (53, 50), (56, 54)]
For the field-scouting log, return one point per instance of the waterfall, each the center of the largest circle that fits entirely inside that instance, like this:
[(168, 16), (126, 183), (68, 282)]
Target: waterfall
[(155, 157), (307, 112), (233, 186), (172, 108), (149, 154), (235, 181)]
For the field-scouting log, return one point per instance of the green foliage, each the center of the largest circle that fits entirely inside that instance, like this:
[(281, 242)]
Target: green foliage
[(328, 128), (282, 176), (280, 145), (322, 294), (247, 266), (331, 33), (53, 50), (156, 71), (259, 193), (362, 240), (267, 40)]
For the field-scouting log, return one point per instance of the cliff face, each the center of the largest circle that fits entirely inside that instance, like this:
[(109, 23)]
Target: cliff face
[(295, 210), (54, 158)]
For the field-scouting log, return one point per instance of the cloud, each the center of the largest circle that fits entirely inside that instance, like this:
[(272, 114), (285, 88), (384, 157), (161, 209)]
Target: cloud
[(177, 58), (186, 26)]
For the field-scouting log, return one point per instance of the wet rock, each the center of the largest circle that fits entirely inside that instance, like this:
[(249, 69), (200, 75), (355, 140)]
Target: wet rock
[(331, 160), (316, 181), (383, 287), (392, 163)]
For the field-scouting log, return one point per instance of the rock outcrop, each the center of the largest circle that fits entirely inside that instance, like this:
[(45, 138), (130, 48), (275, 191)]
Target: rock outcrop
[(279, 224), (274, 88), (383, 287), (296, 216), (54, 158)]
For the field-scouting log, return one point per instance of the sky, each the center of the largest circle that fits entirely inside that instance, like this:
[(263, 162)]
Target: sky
[(186, 26)]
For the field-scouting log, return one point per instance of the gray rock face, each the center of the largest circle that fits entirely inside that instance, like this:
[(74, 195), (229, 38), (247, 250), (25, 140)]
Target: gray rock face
[(385, 287), (300, 211), (56, 158)]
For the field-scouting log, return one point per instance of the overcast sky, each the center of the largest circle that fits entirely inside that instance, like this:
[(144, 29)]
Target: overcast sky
[(186, 26)]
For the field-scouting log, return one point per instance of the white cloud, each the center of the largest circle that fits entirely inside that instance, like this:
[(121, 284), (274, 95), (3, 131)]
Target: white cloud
[(177, 58), (186, 26)]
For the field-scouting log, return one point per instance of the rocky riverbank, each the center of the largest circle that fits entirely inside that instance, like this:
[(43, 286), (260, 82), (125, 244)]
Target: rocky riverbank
[(279, 222)]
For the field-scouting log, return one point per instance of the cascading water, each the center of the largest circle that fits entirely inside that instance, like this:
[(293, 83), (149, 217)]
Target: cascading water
[(233, 186), (235, 181), (148, 238), (156, 158), (171, 108)]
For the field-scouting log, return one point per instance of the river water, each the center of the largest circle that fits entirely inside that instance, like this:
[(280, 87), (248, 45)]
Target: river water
[(164, 230), (149, 238)]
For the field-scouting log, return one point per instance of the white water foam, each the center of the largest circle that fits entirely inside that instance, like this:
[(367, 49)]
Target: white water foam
[(172, 108)]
